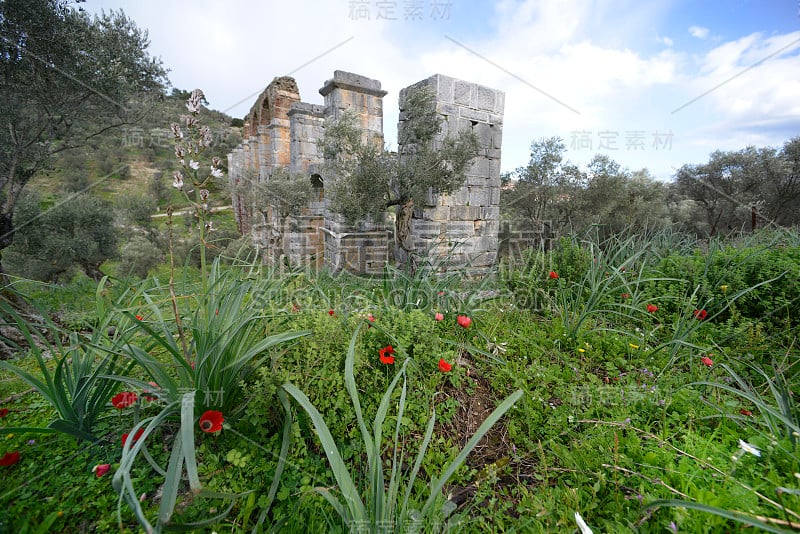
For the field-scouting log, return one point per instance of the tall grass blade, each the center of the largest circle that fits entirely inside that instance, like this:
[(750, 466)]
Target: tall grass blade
[(488, 423), (733, 516)]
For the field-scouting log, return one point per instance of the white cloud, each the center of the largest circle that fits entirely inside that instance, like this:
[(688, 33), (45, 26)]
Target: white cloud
[(751, 81), (699, 32), (571, 52)]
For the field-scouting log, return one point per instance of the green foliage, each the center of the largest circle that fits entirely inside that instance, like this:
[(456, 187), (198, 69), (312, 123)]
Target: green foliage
[(135, 210), (139, 256), (284, 191), (382, 506), (227, 342), (45, 113), (78, 389), (363, 179), (724, 192), (77, 231), (182, 458), (722, 271), (361, 169), (625, 416)]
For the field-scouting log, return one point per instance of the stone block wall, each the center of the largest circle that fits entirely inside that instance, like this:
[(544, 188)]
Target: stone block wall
[(363, 249), (281, 131), (306, 127), (463, 226), (361, 252)]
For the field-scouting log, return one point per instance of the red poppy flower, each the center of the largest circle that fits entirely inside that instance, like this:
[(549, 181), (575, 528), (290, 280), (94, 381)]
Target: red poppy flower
[(3, 412), (464, 321), (145, 392), (444, 366), (386, 355), (140, 317), (747, 413), (135, 437), (9, 458), (101, 469), (123, 400), (700, 314), (705, 360), (626, 295), (370, 319), (553, 275), (211, 421), (652, 308), (439, 316), (330, 312)]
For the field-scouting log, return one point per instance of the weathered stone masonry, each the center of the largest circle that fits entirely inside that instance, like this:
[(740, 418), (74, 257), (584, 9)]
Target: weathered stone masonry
[(282, 131)]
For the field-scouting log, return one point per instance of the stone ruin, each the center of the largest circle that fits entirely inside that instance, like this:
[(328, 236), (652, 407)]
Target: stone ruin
[(280, 131)]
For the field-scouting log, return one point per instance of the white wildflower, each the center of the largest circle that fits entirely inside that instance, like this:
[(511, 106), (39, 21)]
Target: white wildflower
[(204, 194), (215, 161), (216, 173), (193, 104), (180, 152), (194, 164), (207, 138), (176, 131), (746, 447), (177, 180)]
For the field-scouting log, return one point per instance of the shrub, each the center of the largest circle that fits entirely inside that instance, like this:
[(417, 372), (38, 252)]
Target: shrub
[(139, 255)]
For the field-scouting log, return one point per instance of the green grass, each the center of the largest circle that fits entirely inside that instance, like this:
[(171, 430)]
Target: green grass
[(616, 420)]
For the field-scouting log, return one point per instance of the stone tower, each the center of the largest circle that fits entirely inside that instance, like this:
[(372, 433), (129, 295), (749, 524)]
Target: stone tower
[(463, 227)]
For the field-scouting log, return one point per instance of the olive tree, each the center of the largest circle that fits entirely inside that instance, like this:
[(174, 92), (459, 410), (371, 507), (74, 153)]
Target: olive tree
[(365, 180), (65, 77)]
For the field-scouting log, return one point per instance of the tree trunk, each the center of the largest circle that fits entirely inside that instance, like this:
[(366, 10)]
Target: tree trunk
[(404, 240), (93, 271), (6, 239)]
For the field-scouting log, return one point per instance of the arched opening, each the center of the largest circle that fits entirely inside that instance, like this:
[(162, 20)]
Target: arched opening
[(318, 186)]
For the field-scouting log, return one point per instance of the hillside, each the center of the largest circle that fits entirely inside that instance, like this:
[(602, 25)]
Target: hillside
[(95, 206), (136, 159)]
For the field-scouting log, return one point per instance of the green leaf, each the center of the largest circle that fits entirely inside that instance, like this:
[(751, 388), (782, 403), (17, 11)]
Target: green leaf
[(488, 423), (733, 516), (355, 510)]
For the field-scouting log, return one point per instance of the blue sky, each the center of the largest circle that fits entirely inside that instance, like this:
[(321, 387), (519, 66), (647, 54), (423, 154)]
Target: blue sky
[(652, 84)]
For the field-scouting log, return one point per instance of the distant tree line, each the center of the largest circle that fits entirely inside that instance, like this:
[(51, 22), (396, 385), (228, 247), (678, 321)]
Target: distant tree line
[(734, 191)]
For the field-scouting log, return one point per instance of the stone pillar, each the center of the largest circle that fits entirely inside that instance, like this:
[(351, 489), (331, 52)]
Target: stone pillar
[(463, 227), (303, 242), (280, 95), (306, 127), (365, 249)]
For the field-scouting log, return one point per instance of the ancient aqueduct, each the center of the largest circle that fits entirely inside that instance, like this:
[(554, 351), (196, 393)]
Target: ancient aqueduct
[(282, 131)]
